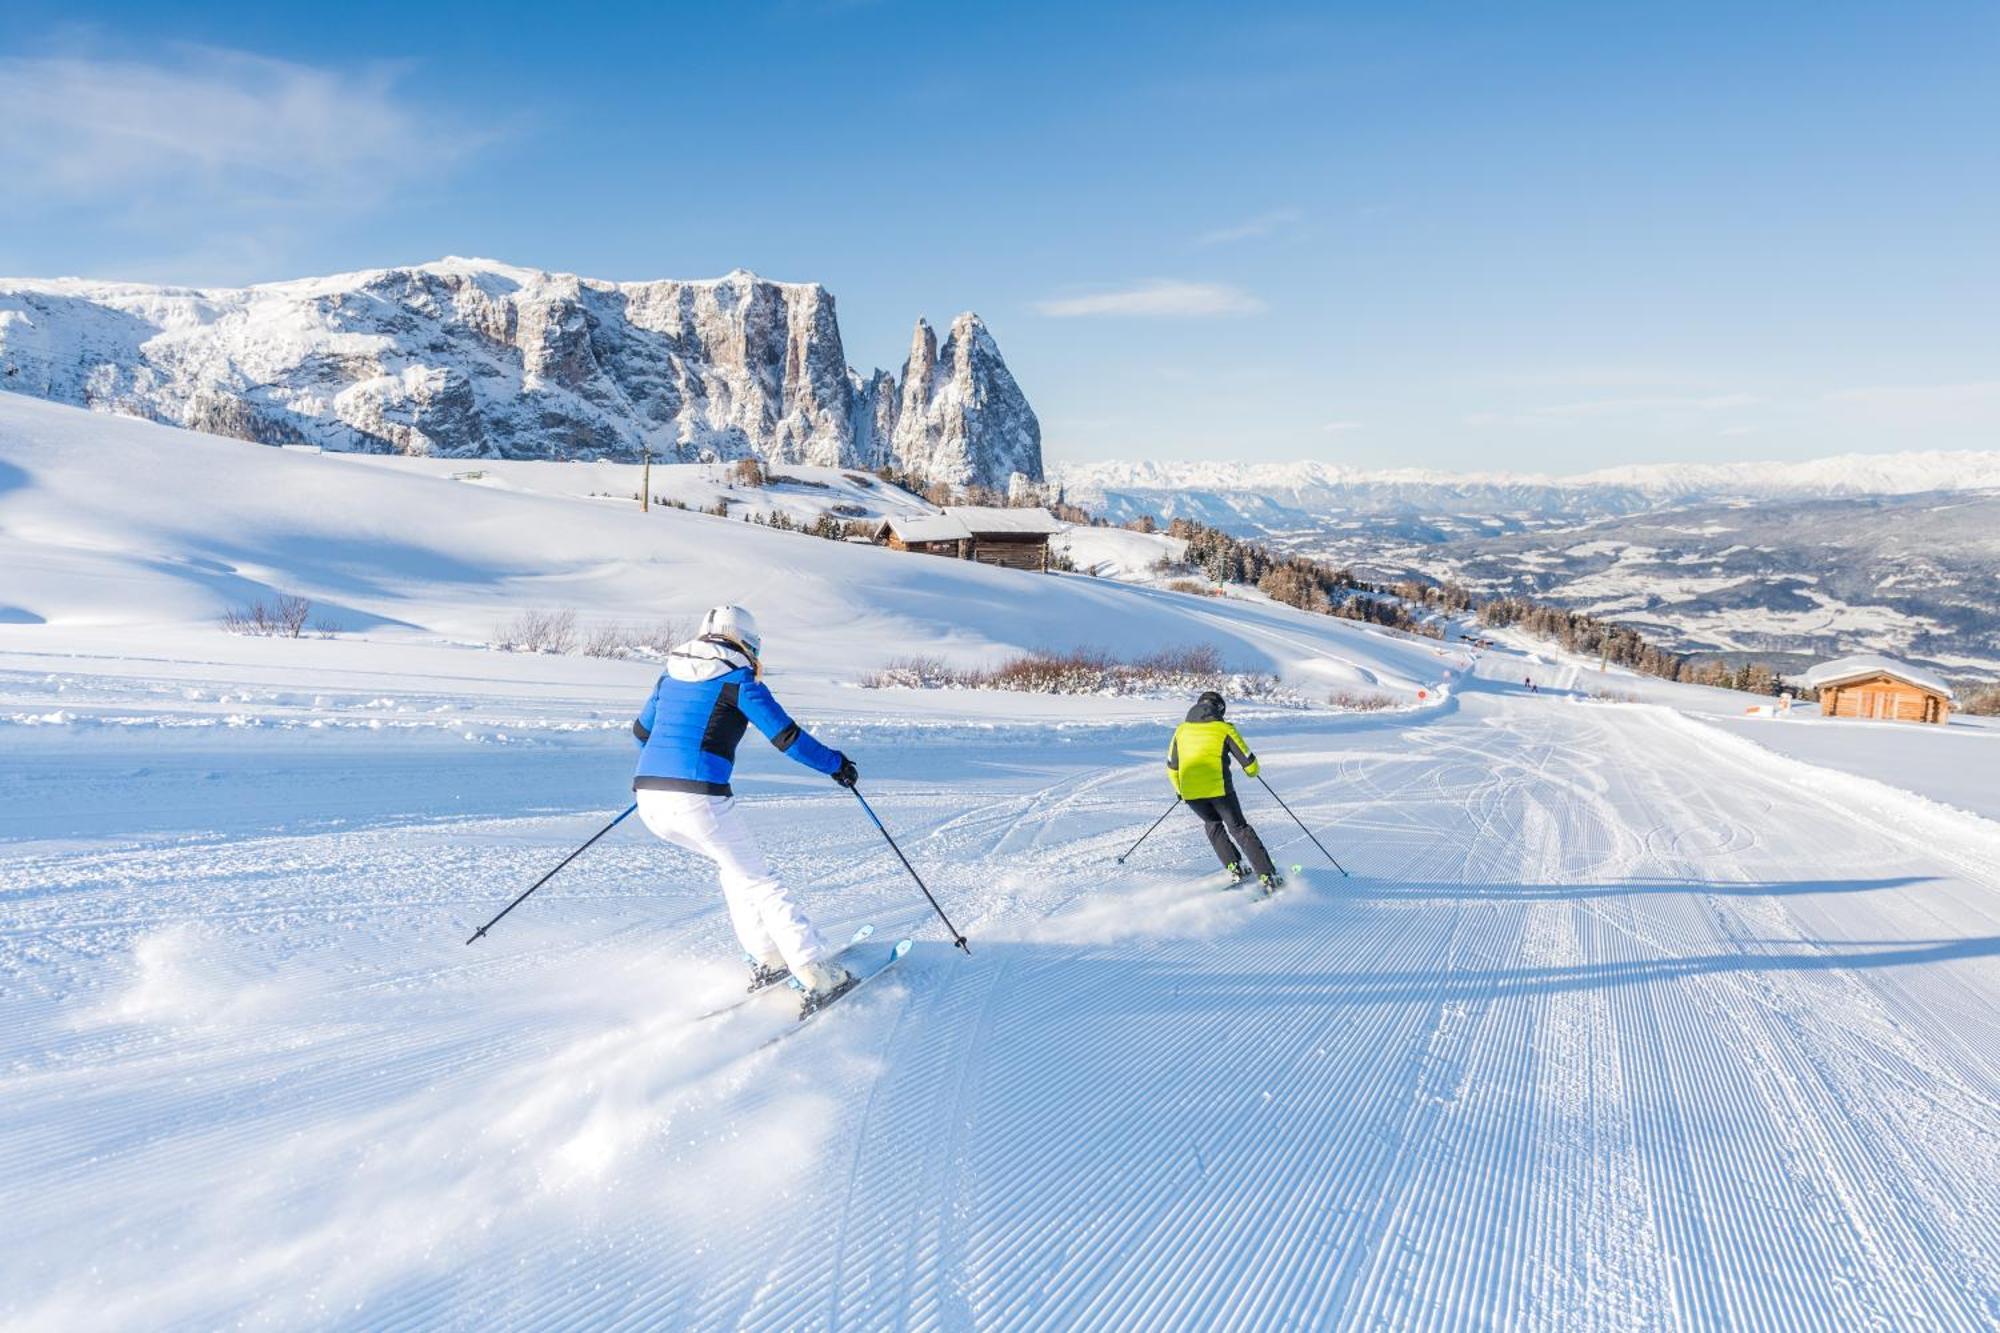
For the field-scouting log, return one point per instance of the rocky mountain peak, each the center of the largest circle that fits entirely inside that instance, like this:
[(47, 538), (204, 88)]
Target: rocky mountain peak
[(477, 358), (961, 417)]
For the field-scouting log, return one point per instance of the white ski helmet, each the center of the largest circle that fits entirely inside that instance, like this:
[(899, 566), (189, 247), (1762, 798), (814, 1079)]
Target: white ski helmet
[(736, 624)]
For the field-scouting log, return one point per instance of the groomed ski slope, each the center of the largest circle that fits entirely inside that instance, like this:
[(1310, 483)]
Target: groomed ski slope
[(1620, 1021)]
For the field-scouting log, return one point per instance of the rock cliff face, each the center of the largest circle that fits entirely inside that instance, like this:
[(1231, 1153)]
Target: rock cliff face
[(470, 358), (960, 416)]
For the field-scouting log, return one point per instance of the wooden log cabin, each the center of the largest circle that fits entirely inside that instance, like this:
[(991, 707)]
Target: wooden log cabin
[(1879, 689), (926, 534), (1013, 538)]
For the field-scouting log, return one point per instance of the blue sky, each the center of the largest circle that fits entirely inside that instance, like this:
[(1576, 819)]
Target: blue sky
[(1530, 236)]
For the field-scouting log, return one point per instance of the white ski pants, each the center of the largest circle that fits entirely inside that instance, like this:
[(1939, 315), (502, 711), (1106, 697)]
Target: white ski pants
[(771, 926)]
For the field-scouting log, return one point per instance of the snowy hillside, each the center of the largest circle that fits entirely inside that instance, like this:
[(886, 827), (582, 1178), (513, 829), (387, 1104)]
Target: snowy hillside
[(1625, 1015), (469, 358), (803, 494), (110, 524)]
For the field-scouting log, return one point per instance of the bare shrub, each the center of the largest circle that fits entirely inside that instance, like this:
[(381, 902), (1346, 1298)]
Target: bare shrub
[(539, 632), (1194, 587), (1981, 701), (1360, 701), (284, 617), (249, 619), (662, 636), (291, 614), (916, 673), (1079, 671), (607, 641), (748, 472), (1182, 670), (1189, 659), (326, 629)]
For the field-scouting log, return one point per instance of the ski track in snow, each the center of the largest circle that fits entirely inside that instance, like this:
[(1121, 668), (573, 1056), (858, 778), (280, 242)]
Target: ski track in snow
[(1610, 1029)]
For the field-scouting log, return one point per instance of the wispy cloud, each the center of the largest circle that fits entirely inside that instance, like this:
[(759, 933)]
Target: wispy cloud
[(1161, 298), (1587, 378), (213, 143), (1340, 427), (1630, 408), (1649, 403), (1252, 229), (1973, 403)]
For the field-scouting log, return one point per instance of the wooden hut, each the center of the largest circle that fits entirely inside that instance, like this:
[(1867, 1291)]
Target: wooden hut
[(1881, 689), (926, 534), (1015, 538)]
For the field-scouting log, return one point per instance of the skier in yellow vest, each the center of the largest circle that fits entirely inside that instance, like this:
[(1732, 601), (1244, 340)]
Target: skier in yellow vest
[(1198, 764)]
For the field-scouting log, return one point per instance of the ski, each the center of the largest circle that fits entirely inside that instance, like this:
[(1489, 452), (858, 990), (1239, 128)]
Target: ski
[(810, 1008), (764, 981), (1279, 882)]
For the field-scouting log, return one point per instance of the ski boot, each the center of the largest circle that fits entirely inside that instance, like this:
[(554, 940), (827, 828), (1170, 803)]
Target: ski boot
[(823, 983), (763, 974), (1237, 872), (1271, 883)]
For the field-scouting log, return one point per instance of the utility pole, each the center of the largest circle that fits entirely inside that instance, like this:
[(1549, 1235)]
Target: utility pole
[(646, 477)]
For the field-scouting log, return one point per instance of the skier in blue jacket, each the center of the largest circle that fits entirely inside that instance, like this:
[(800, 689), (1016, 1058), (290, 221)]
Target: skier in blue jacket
[(708, 696)]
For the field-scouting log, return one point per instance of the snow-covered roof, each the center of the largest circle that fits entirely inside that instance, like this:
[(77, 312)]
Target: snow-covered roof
[(989, 518), (1872, 664), (926, 528)]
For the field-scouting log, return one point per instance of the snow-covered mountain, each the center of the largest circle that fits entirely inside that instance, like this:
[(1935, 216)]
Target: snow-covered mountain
[(1917, 576), (1269, 496), (473, 358), (1884, 552)]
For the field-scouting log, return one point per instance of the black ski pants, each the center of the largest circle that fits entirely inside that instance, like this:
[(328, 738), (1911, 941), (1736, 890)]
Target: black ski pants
[(1222, 819)]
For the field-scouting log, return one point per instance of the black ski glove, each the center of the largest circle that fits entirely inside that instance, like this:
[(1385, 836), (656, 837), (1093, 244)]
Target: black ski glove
[(847, 774)]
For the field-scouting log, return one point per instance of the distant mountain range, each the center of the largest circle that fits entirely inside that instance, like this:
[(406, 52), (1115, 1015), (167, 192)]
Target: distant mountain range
[(1263, 497), (473, 358), (1895, 553)]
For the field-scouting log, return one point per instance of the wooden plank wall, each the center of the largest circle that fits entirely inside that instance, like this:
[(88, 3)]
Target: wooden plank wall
[(1030, 553), (1883, 699)]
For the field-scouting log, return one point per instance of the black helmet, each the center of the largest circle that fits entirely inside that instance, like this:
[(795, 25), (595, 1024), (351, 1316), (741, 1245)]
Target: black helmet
[(1213, 702)]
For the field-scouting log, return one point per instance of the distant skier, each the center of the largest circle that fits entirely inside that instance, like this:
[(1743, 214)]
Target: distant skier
[(1529, 681), (1198, 762), (688, 731)]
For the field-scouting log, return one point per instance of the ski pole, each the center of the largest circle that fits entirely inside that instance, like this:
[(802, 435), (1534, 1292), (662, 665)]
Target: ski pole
[(552, 874), (1302, 826), (956, 938), (1149, 832)]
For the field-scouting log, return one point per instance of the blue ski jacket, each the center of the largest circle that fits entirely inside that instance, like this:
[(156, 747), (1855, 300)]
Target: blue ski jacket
[(704, 701)]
